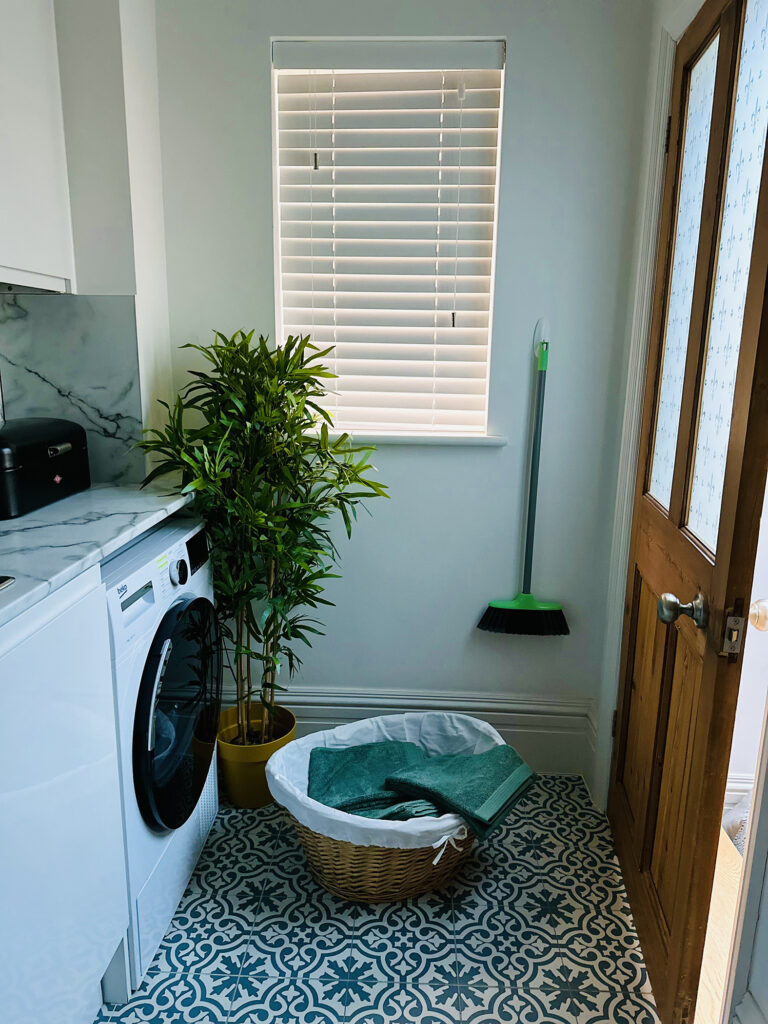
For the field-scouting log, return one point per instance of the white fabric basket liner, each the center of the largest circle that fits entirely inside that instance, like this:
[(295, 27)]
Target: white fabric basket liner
[(436, 732)]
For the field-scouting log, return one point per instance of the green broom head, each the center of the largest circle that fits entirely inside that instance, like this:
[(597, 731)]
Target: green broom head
[(526, 616)]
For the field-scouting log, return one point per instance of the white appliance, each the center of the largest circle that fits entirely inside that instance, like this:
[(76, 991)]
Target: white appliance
[(166, 664), (63, 911)]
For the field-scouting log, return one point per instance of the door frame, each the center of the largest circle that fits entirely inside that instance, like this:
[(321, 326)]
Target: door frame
[(754, 876), (667, 33), (755, 862)]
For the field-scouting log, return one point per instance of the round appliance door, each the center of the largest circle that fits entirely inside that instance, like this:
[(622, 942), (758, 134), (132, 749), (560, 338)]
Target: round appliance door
[(177, 713)]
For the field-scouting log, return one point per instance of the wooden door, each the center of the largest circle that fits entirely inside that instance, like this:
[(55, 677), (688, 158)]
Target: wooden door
[(701, 474)]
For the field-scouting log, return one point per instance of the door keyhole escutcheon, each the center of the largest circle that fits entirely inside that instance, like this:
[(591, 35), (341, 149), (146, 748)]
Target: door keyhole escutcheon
[(669, 609)]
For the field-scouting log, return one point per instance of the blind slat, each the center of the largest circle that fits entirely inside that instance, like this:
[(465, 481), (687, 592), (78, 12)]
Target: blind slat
[(387, 318), (366, 248), (363, 417), (438, 137), (387, 197), (391, 156), (429, 194), (401, 361), (444, 214), (478, 99), (476, 302), (334, 175), (420, 266), (471, 231), (399, 79), (384, 118)]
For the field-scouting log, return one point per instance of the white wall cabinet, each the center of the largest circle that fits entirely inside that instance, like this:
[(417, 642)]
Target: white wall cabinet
[(93, 96), (35, 227), (81, 205), (63, 895)]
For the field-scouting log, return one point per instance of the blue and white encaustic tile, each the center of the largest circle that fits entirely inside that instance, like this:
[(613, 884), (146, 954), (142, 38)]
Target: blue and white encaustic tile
[(535, 929)]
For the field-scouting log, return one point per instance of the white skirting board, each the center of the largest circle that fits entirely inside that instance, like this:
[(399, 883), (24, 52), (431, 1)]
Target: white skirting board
[(749, 1011), (556, 735), (737, 787)]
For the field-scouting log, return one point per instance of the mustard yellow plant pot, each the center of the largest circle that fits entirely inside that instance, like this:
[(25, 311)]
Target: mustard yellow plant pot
[(243, 767)]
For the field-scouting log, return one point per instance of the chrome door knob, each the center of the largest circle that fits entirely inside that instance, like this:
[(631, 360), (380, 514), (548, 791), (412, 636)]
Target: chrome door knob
[(669, 609)]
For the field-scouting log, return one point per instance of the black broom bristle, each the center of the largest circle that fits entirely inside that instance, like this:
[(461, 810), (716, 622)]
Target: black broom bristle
[(524, 621)]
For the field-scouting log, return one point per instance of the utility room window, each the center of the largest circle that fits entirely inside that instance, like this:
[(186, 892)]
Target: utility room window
[(386, 209)]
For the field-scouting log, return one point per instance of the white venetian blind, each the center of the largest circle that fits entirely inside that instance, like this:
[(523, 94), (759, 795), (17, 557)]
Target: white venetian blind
[(387, 191)]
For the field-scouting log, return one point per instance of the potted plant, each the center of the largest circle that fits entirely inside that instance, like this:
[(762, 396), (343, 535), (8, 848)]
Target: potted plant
[(267, 481)]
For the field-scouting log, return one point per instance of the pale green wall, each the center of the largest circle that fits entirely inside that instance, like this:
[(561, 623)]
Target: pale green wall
[(418, 574)]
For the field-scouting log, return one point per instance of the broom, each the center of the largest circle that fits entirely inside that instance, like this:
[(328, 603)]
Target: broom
[(526, 614)]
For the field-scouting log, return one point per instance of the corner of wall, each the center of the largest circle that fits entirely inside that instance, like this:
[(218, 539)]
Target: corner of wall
[(661, 67), (142, 102)]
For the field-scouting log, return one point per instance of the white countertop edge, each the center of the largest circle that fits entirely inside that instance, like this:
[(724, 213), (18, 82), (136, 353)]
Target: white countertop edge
[(31, 587), (175, 502)]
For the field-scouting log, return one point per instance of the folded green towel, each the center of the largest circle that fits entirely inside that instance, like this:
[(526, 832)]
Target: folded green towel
[(351, 779), (389, 807), (481, 788)]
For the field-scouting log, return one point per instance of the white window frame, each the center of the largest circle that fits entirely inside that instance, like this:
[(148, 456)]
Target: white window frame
[(416, 53)]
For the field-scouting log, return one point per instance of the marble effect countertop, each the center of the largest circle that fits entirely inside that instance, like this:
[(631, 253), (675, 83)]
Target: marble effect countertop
[(45, 549)]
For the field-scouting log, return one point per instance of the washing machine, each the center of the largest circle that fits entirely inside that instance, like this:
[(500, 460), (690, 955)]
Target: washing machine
[(166, 672)]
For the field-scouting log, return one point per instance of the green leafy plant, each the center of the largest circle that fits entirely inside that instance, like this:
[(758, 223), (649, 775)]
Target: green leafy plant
[(267, 480)]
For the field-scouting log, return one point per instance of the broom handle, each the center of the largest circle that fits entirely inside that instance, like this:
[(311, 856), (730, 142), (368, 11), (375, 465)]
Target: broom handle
[(533, 486)]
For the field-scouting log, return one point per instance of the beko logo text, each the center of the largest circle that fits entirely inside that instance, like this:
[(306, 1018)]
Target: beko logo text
[(122, 590)]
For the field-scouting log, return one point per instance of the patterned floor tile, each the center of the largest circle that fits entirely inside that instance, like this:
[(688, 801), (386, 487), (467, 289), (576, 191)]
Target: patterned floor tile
[(598, 885), (209, 934), (508, 1006), (178, 999), (288, 1001), (555, 1006), (482, 886), (240, 896), (501, 863), (508, 955), (568, 791), (547, 907), (613, 960), (297, 935), (404, 1004), (623, 1008), (536, 848), (285, 886), (582, 1003), (587, 1004), (410, 942), (238, 848), (535, 929)]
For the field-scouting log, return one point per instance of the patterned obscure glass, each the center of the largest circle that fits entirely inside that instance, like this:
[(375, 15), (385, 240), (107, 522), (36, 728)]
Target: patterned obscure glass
[(697, 124), (733, 260)]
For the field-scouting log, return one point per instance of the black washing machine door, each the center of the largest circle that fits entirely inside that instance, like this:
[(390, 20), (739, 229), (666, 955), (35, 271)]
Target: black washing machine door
[(177, 713)]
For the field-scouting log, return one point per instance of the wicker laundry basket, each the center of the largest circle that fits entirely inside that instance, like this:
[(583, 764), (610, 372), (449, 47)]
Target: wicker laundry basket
[(378, 874), (369, 860)]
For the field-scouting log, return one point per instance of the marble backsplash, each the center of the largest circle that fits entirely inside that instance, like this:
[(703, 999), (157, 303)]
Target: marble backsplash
[(75, 357)]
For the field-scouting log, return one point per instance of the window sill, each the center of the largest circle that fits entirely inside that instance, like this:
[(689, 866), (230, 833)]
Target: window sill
[(452, 440)]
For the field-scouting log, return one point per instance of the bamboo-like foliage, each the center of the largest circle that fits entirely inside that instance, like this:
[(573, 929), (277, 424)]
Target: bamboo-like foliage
[(267, 481)]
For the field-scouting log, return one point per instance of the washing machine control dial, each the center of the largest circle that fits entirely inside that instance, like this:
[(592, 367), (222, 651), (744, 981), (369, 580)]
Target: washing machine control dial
[(179, 572)]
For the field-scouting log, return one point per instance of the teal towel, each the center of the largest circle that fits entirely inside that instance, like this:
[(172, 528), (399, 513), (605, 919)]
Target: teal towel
[(481, 788), (352, 779)]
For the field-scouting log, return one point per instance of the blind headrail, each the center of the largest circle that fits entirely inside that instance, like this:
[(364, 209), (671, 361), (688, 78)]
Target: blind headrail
[(387, 55)]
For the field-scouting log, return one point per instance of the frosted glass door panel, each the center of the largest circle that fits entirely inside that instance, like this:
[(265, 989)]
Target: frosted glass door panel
[(733, 260), (701, 90)]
